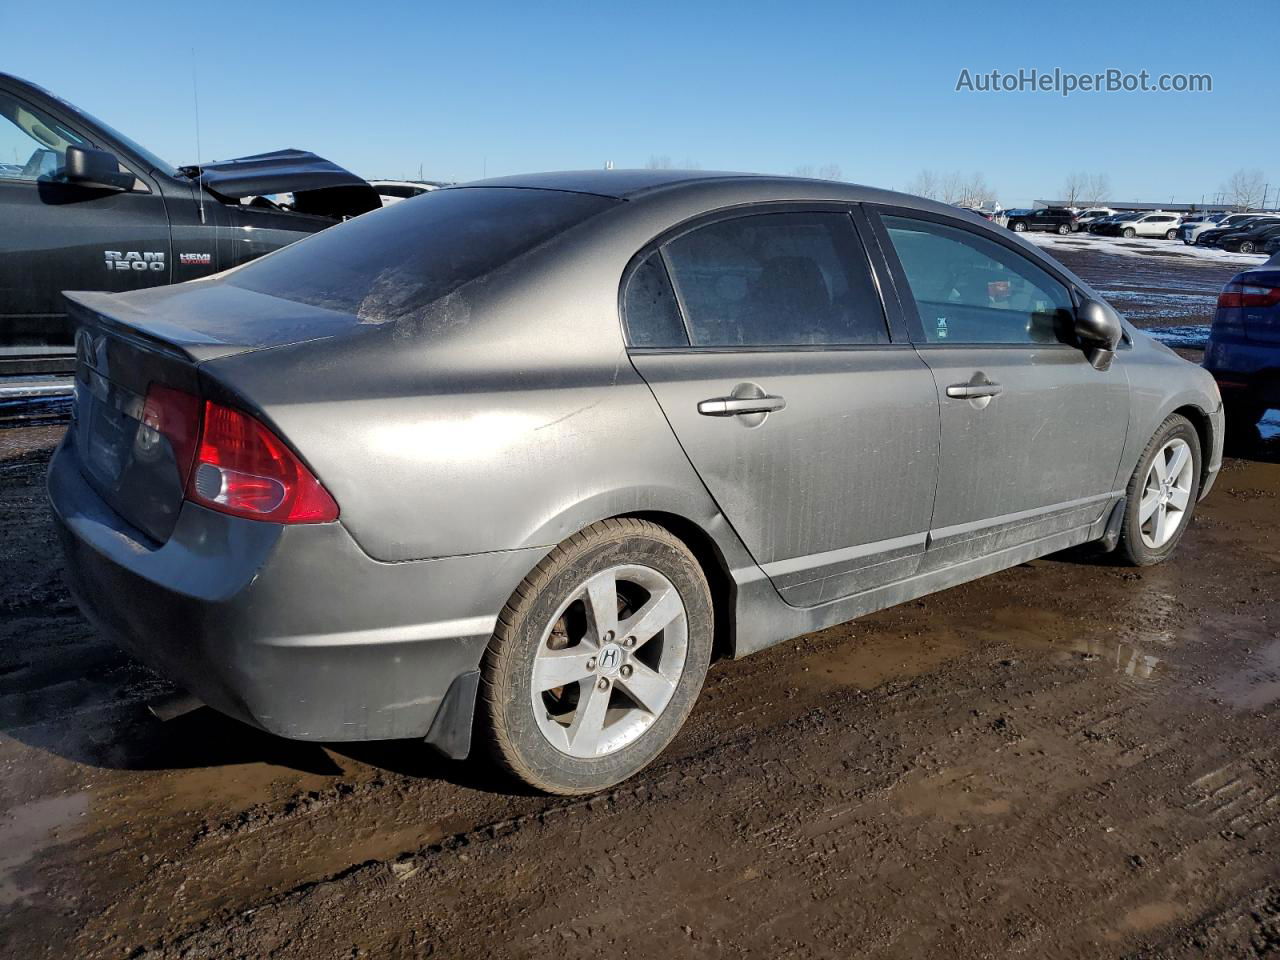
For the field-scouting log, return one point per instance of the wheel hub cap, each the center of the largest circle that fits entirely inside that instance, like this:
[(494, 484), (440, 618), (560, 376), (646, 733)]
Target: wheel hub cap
[(610, 661)]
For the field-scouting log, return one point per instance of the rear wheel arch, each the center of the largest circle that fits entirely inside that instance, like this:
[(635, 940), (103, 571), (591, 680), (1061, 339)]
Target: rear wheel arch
[(714, 567)]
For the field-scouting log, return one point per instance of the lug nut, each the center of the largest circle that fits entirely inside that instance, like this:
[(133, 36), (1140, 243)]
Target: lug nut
[(626, 670), (591, 664), (608, 636), (602, 683), (629, 642)]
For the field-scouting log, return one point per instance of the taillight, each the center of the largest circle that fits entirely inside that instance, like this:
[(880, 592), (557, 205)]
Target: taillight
[(174, 415), (244, 469), (1240, 295)]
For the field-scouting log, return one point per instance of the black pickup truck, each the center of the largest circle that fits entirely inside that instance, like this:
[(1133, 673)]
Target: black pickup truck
[(83, 207)]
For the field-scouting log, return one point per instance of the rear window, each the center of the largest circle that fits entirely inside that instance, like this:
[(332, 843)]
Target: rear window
[(389, 264)]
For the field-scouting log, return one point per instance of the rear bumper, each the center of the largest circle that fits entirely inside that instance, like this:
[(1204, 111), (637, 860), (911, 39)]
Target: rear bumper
[(1244, 368), (292, 629)]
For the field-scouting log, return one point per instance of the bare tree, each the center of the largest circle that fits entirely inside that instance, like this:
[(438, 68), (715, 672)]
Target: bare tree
[(924, 184), (830, 171), (1097, 187), (1243, 189), (976, 193), (951, 188), (805, 170), (1074, 188), (658, 162)]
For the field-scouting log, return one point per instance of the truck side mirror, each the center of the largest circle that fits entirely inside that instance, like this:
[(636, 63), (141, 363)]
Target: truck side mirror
[(95, 168), (1098, 333)]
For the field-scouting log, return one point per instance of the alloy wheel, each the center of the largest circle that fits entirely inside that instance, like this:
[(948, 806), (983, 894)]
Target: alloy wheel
[(609, 663), (1166, 493)]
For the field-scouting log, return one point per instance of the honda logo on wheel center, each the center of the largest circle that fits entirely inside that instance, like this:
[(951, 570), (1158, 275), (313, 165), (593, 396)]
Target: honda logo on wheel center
[(610, 659)]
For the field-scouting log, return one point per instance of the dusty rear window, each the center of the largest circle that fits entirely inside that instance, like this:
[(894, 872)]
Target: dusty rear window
[(389, 264)]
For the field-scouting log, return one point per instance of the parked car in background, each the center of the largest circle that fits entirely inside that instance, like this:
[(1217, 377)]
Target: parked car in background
[(1091, 215), (1192, 228), (1054, 219), (985, 215), (1243, 352), (1272, 246), (327, 494), (1252, 238), (393, 191), (1156, 224), (1211, 238), (92, 210), (1106, 225)]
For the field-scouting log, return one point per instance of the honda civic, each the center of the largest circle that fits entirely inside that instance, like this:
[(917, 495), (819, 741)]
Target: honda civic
[(511, 462)]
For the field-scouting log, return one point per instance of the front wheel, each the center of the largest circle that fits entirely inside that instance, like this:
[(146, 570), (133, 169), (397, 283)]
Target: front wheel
[(597, 658), (1246, 246), (1130, 233), (1019, 227), (1063, 229), (1161, 494)]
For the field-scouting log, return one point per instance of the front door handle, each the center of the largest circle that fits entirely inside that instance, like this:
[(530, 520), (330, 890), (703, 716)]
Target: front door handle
[(973, 391), (737, 406)]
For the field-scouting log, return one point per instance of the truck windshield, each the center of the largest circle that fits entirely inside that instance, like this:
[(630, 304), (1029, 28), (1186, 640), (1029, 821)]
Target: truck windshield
[(390, 264)]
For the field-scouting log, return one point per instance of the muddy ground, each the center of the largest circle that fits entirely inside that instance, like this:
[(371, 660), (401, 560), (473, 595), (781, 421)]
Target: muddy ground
[(1070, 758)]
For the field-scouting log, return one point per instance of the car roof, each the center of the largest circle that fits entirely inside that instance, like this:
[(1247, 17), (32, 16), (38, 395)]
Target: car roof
[(718, 187)]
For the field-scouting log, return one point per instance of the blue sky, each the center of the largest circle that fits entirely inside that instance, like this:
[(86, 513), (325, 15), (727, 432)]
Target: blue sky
[(493, 88)]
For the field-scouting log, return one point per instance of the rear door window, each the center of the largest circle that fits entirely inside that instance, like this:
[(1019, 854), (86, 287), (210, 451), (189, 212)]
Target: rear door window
[(779, 279)]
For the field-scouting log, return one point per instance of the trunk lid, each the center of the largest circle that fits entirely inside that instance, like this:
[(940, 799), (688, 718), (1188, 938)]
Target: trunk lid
[(128, 345)]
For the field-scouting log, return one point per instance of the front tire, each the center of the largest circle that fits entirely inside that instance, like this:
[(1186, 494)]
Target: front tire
[(1246, 246), (1161, 494), (1130, 233), (598, 658), (1063, 229), (1019, 227)]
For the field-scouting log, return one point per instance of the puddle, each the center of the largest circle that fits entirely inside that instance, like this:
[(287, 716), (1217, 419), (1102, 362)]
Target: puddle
[(865, 662), (954, 795), (30, 828), (1257, 685)]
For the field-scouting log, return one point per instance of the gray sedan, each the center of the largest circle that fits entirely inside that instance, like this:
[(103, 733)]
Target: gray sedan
[(510, 463)]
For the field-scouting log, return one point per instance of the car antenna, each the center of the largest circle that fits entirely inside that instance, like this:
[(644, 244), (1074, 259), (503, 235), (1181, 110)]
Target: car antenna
[(195, 96)]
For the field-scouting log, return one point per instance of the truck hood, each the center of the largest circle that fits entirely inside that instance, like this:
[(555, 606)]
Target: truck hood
[(282, 171)]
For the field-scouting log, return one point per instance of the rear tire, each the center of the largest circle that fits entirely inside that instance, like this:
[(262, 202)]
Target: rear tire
[(1161, 495), (1171, 234), (1063, 229), (1019, 227), (1130, 233), (604, 722), (1246, 246)]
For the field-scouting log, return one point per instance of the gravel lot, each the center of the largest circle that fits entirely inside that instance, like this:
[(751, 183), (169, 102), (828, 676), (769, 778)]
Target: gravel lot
[(1070, 758)]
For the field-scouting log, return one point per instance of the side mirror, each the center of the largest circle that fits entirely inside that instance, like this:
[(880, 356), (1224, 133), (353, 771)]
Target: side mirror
[(95, 168), (1098, 333)]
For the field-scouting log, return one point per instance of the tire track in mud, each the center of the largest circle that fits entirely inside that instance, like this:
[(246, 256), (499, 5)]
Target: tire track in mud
[(835, 834)]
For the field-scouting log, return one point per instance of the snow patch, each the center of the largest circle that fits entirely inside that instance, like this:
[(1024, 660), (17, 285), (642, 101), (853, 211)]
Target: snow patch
[(1149, 248)]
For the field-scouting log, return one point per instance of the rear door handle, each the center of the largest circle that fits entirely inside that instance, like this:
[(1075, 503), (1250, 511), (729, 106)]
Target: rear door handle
[(973, 391), (736, 406)]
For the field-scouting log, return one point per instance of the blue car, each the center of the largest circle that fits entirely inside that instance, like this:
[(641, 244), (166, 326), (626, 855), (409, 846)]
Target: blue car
[(1243, 352)]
